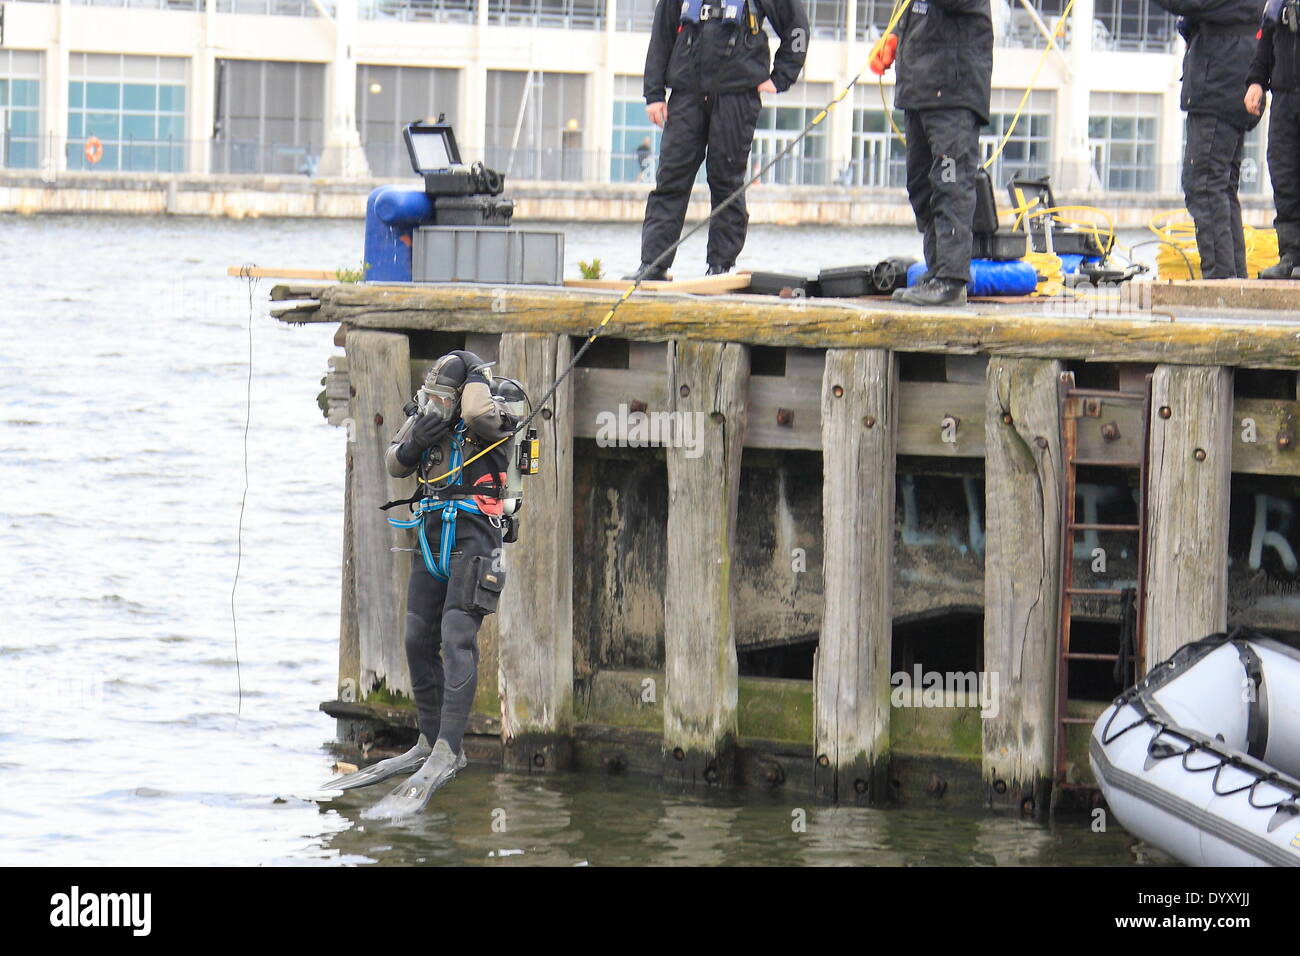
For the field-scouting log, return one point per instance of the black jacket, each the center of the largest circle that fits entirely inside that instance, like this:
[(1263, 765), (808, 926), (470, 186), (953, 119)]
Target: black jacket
[(1276, 53), (1220, 37), (945, 56), (695, 59)]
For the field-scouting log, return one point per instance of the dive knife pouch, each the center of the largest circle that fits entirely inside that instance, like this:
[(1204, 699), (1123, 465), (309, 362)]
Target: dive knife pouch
[(482, 586)]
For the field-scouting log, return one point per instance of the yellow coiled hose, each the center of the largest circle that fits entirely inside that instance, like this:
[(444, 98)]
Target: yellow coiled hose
[(1179, 259)]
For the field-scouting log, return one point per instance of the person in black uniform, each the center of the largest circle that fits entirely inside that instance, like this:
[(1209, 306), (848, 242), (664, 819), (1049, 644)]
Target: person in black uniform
[(945, 71), (715, 57), (1275, 68), (456, 576), (1220, 37)]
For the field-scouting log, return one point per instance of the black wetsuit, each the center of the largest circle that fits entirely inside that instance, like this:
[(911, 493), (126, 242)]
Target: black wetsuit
[(1276, 67), (443, 617), (714, 69), (945, 68), (1220, 37)]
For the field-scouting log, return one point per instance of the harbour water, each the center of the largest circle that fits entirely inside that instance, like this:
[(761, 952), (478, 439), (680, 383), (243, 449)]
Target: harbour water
[(124, 737)]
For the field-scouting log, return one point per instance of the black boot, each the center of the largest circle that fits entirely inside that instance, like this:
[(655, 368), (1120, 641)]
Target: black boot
[(933, 292), (715, 270), (1288, 247), (648, 274)]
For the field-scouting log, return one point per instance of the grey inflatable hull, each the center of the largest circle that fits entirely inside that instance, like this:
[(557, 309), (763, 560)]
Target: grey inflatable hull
[(1202, 758)]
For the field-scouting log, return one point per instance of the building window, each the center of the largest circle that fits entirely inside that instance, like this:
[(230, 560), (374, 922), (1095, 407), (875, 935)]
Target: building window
[(1028, 152), (269, 117), (1123, 136), (535, 125), (779, 123), (133, 105), (633, 135), (20, 109), (1138, 25), (389, 97), (879, 159), (183, 5), (826, 18), (635, 16), (873, 17), (1014, 26), (276, 8), (432, 11), (561, 14)]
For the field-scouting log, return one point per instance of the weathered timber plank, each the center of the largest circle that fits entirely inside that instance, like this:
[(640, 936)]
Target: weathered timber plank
[(707, 285), (707, 383), (1274, 427), (824, 324), (859, 413), (379, 370), (1282, 295), (281, 293), (924, 410), (1022, 575), (349, 685), (535, 645), (776, 399), (1188, 495)]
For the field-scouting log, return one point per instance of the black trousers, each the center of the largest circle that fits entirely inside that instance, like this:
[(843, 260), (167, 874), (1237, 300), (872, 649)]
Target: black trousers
[(442, 634), (1211, 177), (942, 157), (1284, 168), (717, 130)]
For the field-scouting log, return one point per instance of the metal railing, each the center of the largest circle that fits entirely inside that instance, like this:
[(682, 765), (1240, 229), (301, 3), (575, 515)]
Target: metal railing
[(275, 8), (185, 6), (554, 14), (427, 11)]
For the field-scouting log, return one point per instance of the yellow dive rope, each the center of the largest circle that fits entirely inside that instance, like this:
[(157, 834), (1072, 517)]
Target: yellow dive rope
[(1178, 257)]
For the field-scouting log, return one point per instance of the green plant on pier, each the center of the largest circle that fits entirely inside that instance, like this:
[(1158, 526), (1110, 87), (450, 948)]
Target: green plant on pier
[(345, 274), (590, 270)]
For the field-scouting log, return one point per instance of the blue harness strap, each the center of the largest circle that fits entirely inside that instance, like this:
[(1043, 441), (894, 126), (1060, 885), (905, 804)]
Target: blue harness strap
[(440, 565)]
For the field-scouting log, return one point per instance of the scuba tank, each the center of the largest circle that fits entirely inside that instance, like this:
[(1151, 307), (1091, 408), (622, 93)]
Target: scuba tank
[(523, 456)]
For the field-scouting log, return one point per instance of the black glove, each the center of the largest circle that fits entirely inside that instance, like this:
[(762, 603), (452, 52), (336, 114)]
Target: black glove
[(427, 431)]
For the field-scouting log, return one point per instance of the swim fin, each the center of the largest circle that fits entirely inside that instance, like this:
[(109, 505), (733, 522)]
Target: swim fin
[(384, 769), (413, 796)]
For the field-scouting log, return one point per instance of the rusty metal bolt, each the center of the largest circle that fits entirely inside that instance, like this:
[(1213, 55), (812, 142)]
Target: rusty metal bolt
[(684, 391), (1165, 411), (1199, 454), (860, 785), (869, 421), (636, 405), (379, 419), (539, 760), (1283, 441), (1110, 431), (718, 418), (1092, 407), (352, 390), (1027, 806), (1040, 441), (999, 786), (1006, 418), (823, 760), (784, 417), (837, 391), (679, 753), (546, 414)]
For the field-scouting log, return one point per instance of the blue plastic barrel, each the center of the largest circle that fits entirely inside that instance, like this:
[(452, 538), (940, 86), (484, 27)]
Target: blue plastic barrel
[(392, 213), (988, 277)]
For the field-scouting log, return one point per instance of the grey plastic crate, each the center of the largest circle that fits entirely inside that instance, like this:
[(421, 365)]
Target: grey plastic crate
[(491, 254)]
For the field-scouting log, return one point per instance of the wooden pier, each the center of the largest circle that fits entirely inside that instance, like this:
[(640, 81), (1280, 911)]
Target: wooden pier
[(872, 491)]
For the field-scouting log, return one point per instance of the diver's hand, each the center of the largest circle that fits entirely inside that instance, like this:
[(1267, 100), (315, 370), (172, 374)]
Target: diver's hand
[(1255, 99), (426, 431), (767, 86), (658, 113)]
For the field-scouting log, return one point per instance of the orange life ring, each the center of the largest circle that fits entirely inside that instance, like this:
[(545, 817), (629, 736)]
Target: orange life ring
[(94, 150)]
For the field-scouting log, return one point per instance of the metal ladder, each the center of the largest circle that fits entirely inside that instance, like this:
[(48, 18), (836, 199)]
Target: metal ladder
[(1077, 404)]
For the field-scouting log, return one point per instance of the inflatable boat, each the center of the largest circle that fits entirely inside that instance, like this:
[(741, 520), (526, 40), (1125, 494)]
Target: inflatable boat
[(1202, 757)]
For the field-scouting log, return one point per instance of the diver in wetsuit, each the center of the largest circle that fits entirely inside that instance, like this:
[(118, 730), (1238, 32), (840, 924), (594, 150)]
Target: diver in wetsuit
[(456, 577)]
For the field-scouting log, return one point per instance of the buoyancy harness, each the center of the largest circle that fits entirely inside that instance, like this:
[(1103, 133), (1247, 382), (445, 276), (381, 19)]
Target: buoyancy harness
[(743, 14), (499, 498)]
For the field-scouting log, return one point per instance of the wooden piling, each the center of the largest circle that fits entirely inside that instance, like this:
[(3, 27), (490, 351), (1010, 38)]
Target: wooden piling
[(708, 383), (535, 671), (859, 414), (1022, 574), (1188, 484), (379, 369)]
